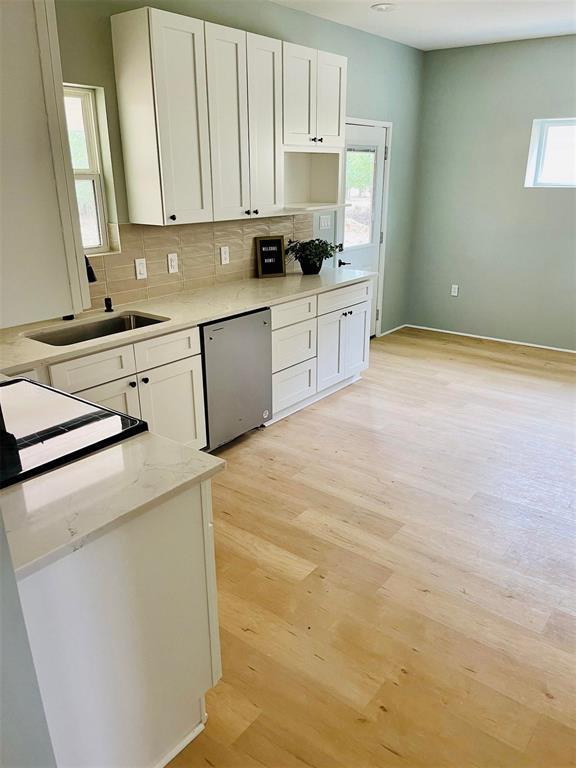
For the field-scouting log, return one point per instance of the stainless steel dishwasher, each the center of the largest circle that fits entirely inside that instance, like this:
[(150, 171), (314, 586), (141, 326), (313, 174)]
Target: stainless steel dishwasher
[(237, 375)]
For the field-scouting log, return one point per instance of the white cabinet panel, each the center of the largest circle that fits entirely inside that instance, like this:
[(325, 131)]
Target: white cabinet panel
[(293, 344), (357, 338), (165, 349), (331, 345), (83, 372), (331, 99), (228, 112), (299, 77), (121, 395), (264, 61), (179, 68), (340, 298), (293, 312), (172, 401), (293, 385)]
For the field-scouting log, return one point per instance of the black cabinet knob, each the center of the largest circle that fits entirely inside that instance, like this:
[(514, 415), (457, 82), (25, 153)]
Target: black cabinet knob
[(173, 217), (132, 384), (247, 213), (145, 380), (314, 139), (321, 138), (255, 211)]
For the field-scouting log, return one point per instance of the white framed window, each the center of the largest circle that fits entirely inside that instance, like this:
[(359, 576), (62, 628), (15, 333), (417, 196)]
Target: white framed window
[(552, 154), (80, 108)]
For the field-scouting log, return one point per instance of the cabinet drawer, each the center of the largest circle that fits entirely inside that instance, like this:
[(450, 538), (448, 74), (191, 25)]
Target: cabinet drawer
[(166, 349), (293, 385), (121, 395), (293, 312), (293, 344), (343, 297), (84, 372)]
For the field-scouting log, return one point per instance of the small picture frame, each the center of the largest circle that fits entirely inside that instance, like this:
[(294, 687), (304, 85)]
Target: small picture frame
[(270, 256)]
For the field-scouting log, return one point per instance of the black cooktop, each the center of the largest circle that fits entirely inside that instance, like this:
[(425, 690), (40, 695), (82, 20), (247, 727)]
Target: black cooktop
[(42, 428)]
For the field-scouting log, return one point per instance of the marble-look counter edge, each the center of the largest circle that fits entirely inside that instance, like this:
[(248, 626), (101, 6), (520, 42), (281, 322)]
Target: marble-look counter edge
[(57, 513), (185, 310)]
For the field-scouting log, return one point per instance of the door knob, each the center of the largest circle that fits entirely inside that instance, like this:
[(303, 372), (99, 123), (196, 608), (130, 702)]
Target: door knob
[(173, 217), (343, 263)]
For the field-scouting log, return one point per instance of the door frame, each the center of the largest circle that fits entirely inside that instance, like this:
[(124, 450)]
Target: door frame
[(383, 214)]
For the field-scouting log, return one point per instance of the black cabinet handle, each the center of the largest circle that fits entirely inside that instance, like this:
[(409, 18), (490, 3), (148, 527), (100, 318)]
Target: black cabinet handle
[(132, 384), (314, 139), (321, 138), (255, 211), (247, 213), (173, 217), (145, 380)]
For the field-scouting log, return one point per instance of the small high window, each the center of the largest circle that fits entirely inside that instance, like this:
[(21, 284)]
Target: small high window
[(80, 108), (552, 154)]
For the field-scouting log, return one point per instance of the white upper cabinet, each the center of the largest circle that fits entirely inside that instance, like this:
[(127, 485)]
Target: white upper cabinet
[(300, 78), (264, 58), (331, 99), (159, 59), (314, 97), (228, 110)]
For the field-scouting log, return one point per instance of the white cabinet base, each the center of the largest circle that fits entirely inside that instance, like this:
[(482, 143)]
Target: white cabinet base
[(313, 399)]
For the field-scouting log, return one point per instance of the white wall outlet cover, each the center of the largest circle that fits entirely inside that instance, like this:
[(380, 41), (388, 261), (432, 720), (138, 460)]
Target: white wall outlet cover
[(454, 290), (172, 263), (325, 221), (141, 271), (224, 254)]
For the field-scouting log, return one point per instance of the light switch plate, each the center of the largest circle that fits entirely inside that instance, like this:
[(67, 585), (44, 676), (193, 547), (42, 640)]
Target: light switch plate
[(141, 271), (325, 221), (224, 254), (172, 263), (454, 290)]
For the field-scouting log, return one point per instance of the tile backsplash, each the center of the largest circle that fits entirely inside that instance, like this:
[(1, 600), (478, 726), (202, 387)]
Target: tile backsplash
[(198, 249)]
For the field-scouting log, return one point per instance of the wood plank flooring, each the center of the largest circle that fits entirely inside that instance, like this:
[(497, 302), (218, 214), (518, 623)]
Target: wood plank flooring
[(396, 569)]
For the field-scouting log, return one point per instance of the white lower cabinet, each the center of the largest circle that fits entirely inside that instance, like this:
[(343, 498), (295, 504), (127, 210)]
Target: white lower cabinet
[(343, 342), (293, 385), (121, 395), (172, 401), (293, 344)]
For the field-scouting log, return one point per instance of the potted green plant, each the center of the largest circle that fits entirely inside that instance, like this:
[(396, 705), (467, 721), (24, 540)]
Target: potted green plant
[(310, 254)]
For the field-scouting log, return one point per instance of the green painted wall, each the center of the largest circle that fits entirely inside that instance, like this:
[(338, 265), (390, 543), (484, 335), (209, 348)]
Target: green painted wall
[(384, 81), (511, 249)]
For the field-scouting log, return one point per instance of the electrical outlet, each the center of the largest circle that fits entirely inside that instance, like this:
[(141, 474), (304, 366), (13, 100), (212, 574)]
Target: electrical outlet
[(325, 221), (224, 254), (172, 263), (141, 271), (454, 290)]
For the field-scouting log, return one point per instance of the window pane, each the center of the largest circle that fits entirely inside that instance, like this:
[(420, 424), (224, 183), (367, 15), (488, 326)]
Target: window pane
[(88, 210), (76, 132), (360, 168), (559, 159)]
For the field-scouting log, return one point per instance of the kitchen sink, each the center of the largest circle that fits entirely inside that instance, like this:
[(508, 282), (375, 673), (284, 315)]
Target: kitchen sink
[(75, 333)]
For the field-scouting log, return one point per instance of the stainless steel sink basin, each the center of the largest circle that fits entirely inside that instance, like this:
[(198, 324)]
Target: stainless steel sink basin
[(77, 332)]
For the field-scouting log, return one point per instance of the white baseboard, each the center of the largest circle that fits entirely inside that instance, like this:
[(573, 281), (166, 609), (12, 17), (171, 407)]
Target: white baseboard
[(392, 330), (179, 747), (486, 338)]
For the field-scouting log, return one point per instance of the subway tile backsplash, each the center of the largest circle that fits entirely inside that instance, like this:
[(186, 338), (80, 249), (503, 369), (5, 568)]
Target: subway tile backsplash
[(198, 249)]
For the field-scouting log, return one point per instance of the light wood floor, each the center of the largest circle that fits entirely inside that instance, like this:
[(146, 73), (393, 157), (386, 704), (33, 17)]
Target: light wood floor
[(396, 569)]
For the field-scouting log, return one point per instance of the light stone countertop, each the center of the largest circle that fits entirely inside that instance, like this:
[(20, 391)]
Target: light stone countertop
[(58, 512), (184, 310)]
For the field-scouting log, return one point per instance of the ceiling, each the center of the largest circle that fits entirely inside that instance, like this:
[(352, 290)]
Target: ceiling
[(431, 24)]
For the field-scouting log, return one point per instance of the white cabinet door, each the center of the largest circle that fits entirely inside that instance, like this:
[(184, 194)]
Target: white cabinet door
[(357, 338), (299, 76), (331, 99), (172, 401), (331, 349), (228, 112), (121, 395), (182, 116), (264, 61)]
